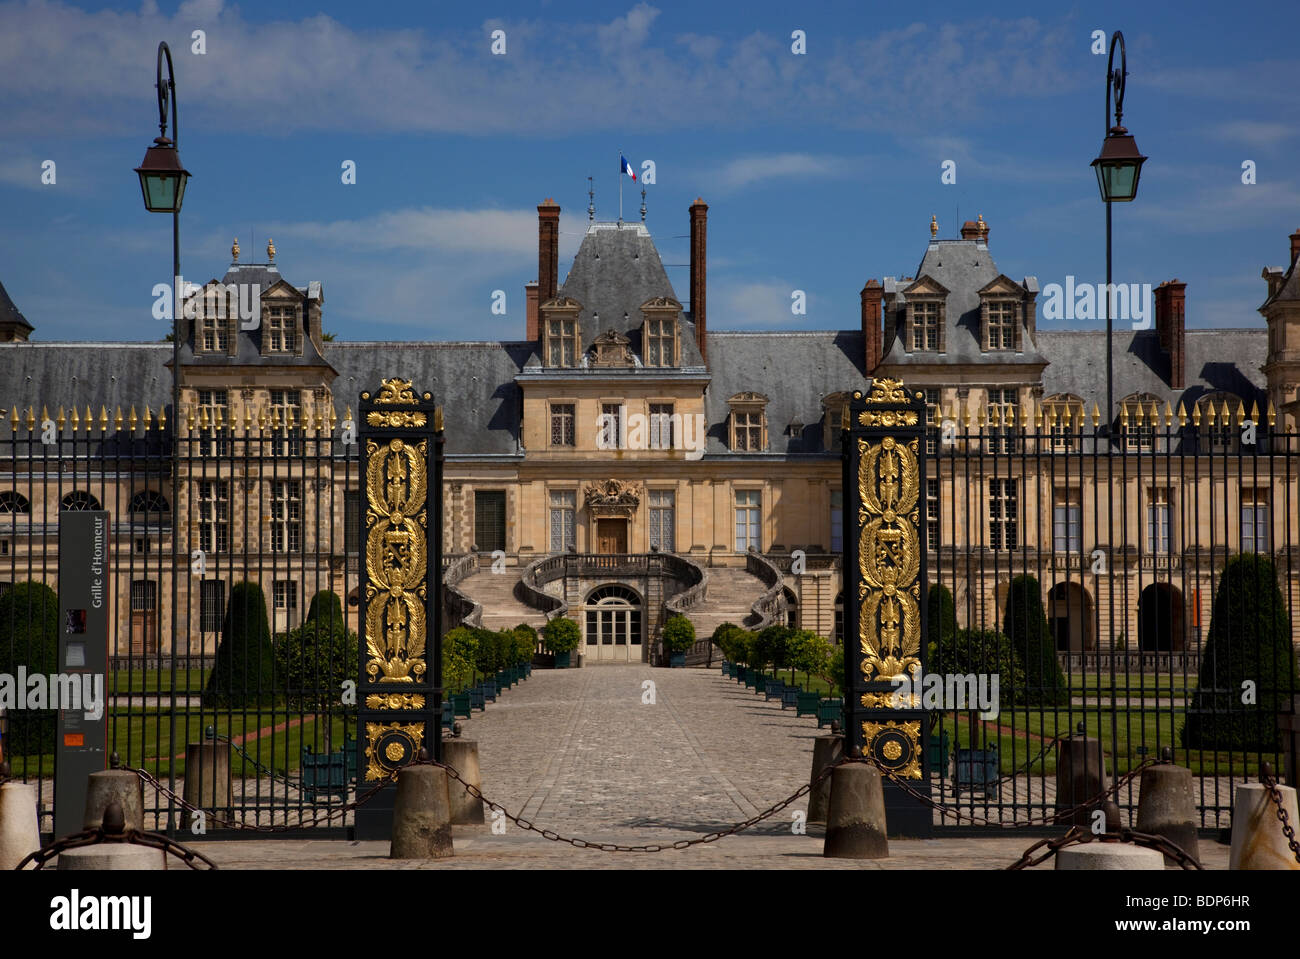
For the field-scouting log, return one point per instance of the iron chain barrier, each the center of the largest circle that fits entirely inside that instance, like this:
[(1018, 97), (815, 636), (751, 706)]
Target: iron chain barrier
[(1275, 794)]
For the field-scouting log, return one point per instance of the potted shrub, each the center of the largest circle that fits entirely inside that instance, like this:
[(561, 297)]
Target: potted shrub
[(679, 637), (562, 637), (525, 647)]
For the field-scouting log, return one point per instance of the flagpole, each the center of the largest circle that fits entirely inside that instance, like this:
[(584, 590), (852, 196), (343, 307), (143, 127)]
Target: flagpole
[(620, 186)]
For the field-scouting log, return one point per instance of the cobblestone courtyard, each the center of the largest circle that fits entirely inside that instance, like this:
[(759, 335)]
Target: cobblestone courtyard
[(577, 751)]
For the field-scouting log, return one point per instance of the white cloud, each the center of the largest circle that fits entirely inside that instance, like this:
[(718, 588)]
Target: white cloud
[(1255, 133), (747, 170), (748, 306)]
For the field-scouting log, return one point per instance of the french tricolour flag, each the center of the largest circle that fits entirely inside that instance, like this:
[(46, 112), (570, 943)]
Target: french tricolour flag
[(627, 167)]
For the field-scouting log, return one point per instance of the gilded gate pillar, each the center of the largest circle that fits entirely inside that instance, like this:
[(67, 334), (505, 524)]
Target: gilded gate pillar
[(399, 686), (884, 593)]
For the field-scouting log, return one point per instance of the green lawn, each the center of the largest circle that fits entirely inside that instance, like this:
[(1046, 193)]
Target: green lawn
[(143, 740), (153, 681)]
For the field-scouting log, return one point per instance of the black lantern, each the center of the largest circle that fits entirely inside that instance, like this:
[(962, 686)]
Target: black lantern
[(162, 178), (1118, 167)]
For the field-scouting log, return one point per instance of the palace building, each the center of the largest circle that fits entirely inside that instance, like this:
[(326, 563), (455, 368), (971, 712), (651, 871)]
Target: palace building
[(620, 449)]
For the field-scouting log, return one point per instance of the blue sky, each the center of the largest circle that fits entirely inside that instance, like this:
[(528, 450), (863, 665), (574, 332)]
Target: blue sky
[(821, 170)]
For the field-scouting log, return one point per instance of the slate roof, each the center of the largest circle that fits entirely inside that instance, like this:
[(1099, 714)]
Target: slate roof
[(107, 374), (964, 267), (474, 381), (1228, 360), (616, 269), (795, 370), (1289, 288), (10, 313)]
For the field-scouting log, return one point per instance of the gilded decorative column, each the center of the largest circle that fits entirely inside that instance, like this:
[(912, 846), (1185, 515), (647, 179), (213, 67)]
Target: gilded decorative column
[(884, 593), (399, 686)]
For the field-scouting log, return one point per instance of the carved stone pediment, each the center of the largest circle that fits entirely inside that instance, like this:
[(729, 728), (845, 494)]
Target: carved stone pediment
[(611, 348), (612, 498), (661, 303)]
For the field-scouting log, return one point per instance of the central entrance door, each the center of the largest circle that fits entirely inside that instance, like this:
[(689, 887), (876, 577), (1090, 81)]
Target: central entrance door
[(611, 536), (613, 625)]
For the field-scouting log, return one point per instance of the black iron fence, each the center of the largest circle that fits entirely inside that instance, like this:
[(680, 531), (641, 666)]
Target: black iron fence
[(232, 592), (1137, 587)]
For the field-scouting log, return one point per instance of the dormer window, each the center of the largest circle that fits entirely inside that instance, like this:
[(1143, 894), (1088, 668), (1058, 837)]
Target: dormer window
[(214, 334), (748, 422), (659, 332), (215, 309), (925, 325), (282, 329), (1001, 325), (834, 408), (561, 332)]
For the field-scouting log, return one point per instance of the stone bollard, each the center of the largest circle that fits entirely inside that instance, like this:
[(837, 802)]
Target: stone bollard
[(826, 750), (112, 855), (1080, 775), (1257, 838), (855, 820), (20, 833), (1166, 807), (119, 786), (207, 778), (421, 814), (462, 756), (1108, 856)]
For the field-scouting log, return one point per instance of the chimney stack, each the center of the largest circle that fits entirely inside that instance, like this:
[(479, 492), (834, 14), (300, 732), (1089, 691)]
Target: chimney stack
[(872, 296), (532, 331), (699, 272), (548, 249), (1295, 245), (970, 230), (1170, 298)]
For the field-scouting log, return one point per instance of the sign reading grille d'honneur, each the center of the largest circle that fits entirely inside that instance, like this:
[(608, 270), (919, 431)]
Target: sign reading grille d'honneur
[(884, 594), (399, 691)]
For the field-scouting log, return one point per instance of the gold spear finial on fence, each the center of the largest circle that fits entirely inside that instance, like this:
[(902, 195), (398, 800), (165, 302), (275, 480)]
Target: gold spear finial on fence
[(203, 419), (1096, 415), (45, 416), (13, 419), (1169, 415), (31, 418), (1241, 412), (133, 420), (1182, 414), (995, 415), (1272, 414), (117, 420), (189, 419), (1196, 416), (261, 419), (62, 420), (76, 420), (90, 419), (148, 415), (162, 418), (103, 419)]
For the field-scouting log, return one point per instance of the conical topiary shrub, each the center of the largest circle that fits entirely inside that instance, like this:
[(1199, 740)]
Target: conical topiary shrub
[(29, 637), (1026, 627), (242, 675), (1247, 656)]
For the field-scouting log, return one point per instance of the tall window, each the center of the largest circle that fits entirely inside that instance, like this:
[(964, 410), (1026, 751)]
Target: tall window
[(214, 515), (932, 513), (663, 520), (1254, 521), (933, 417), (1216, 422), (925, 326), (748, 508), (562, 424), (1158, 519), (286, 516), (837, 521), (1067, 522), (1060, 418), (1140, 433), (214, 330), (1003, 436), (282, 329), (216, 404), (352, 521), (1002, 326), (288, 405), (611, 425), (564, 511), (1004, 514), (661, 341), (212, 605), (285, 593), (661, 426), (562, 342)]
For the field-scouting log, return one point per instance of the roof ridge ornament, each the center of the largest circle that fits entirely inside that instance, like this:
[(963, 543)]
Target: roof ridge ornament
[(934, 226), (234, 251), (270, 250)]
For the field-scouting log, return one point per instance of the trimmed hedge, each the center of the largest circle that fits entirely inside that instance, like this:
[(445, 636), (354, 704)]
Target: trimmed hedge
[(313, 661), (1026, 626), (679, 634), (29, 636), (243, 674)]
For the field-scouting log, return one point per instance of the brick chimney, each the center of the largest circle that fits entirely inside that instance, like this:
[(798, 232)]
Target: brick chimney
[(1170, 297), (970, 230), (548, 249), (872, 295), (699, 273), (1295, 245), (530, 305)]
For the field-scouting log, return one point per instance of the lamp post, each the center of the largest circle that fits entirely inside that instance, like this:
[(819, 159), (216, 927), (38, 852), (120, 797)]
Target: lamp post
[(162, 183), (1118, 168)]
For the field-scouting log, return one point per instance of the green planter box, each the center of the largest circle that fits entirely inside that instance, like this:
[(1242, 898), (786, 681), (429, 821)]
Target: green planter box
[(828, 711), (562, 660), (738, 673), (939, 754), (772, 689), (726, 668), (806, 704), (460, 704), (677, 660)]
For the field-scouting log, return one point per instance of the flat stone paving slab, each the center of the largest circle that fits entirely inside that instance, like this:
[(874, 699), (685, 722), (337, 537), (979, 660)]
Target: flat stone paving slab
[(581, 753)]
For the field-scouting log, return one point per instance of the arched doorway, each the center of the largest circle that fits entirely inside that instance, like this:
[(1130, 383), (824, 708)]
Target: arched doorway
[(613, 619), (1160, 619), (1069, 613)]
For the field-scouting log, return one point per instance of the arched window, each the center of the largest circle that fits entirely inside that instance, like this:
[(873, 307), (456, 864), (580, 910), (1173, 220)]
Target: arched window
[(1063, 419), (613, 614), (1218, 412), (1140, 422), (79, 500), (12, 501), (149, 501)]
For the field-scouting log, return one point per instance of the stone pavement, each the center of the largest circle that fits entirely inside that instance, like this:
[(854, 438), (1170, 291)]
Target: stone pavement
[(578, 752)]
